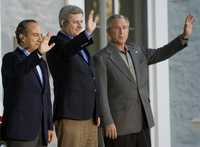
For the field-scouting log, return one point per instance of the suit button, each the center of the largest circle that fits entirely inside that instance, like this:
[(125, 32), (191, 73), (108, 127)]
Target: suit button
[(94, 78), (95, 90)]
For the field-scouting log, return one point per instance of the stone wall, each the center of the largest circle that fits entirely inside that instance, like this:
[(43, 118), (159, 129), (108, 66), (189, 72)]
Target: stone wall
[(184, 76)]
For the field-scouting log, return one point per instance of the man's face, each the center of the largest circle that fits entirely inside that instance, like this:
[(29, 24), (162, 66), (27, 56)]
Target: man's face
[(74, 26), (118, 32), (32, 37)]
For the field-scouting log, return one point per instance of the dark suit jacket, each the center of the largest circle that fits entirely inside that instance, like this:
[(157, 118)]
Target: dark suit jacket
[(119, 92), (74, 79), (27, 103)]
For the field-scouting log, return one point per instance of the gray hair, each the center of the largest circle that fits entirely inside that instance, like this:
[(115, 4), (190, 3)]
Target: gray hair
[(114, 17), (66, 11)]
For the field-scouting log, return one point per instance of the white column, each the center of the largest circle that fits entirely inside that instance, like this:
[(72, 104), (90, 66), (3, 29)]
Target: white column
[(103, 18), (115, 5), (159, 73)]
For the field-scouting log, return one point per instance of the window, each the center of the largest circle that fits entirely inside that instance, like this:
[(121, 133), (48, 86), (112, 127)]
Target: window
[(136, 11)]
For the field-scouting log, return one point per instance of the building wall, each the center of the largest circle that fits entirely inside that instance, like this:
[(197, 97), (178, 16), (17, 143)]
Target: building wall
[(184, 76), (13, 11), (1, 105)]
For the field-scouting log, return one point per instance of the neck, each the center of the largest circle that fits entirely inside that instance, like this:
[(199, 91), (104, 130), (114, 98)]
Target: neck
[(120, 46), (28, 49)]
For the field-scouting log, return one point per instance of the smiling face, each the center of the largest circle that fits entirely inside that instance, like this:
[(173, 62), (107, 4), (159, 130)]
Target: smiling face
[(74, 25), (32, 37), (118, 31)]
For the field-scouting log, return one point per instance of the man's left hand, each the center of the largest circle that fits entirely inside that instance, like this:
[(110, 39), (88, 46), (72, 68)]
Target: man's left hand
[(50, 135), (188, 27), (92, 22)]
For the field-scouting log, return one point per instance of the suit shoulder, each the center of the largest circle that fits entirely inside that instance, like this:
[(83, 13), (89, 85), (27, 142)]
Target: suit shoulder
[(9, 55), (102, 52), (132, 45)]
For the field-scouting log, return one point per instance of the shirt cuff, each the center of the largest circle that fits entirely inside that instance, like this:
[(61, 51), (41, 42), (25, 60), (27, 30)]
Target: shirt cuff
[(39, 54), (88, 34)]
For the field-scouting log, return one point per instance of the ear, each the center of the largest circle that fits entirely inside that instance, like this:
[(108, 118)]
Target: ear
[(62, 23), (21, 37)]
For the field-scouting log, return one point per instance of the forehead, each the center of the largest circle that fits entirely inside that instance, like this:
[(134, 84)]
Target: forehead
[(78, 16), (33, 27), (119, 21)]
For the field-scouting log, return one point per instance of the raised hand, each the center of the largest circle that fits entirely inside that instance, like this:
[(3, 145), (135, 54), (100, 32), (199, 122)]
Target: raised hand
[(187, 30), (92, 22), (44, 45)]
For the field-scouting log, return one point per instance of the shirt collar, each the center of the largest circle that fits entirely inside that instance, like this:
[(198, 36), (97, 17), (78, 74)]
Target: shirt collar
[(26, 52), (66, 35), (124, 51)]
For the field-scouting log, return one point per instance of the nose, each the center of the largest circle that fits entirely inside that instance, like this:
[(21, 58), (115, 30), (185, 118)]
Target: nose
[(121, 30), (80, 24)]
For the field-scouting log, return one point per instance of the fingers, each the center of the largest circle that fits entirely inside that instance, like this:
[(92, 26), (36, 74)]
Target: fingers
[(189, 20), (98, 121), (91, 24), (47, 37), (91, 14), (111, 131), (51, 45), (50, 34), (50, 136), (92, 18), (188, 26), (96, 20), (44, 44)]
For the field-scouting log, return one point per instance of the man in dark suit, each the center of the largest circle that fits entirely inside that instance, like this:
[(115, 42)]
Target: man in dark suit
[(75, 104), (122, 71), (27, 103)]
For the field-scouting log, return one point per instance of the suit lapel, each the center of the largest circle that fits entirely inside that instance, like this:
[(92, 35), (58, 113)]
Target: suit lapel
[(119, 63), (37, 75), (44, 73), (134, 57), (23, 56)]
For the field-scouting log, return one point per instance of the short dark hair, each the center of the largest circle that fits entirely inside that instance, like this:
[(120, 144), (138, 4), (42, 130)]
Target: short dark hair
[(66, 11), (114, 17), (21, 28)]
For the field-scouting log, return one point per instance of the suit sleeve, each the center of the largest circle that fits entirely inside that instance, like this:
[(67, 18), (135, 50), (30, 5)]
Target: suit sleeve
[(101, 74), (165, 52), (67, 48)]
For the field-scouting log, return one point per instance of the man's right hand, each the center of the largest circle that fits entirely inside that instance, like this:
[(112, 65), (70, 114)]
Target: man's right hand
[(111, 131), (44, 45)]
